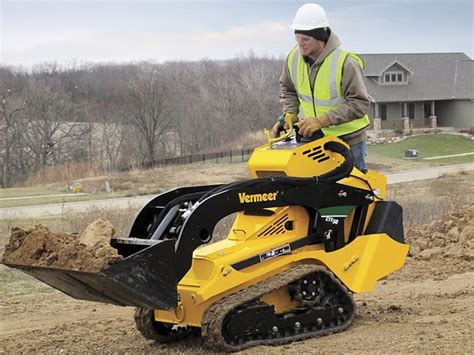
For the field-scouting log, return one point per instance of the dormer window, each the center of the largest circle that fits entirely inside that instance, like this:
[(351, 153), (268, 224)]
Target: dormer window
[(394, 78), (393, 74)]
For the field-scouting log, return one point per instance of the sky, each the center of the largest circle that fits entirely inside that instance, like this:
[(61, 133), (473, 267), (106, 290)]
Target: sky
[(72, 31)]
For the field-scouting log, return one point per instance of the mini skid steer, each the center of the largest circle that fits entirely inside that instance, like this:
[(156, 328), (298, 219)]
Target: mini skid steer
[(310, 230)]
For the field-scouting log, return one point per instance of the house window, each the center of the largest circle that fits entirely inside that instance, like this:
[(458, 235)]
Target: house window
[(387, 78), (399, 77), (383, 112)]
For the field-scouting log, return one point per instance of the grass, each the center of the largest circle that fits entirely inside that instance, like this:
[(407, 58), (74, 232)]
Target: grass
[(30, 191), (425, 201), (54, 199), (428, 146), (136, 182), (14, 282)]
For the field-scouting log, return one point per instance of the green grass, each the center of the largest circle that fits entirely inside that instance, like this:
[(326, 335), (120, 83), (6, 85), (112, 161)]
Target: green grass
[(14, 282), (428, 146), (55, 199), (30, 191)]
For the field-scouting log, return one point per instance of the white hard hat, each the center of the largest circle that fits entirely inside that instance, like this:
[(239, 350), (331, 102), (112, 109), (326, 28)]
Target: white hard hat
[(310, 16)]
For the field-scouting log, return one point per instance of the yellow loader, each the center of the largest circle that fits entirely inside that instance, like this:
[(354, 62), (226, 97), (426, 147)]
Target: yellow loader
[(310, 230)]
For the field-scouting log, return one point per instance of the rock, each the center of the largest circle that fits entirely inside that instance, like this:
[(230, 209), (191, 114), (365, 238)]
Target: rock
[(453, 235), (430, 253), (99, 231), (467, 234), (468, 255), (422, 244), (438, 240)]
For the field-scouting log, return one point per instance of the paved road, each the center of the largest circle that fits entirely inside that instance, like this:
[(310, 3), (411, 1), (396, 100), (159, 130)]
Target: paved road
[(38, 211), (429, 173), (41, 196)]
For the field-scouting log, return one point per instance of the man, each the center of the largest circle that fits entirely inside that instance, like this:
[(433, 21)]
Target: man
[(324, 84)]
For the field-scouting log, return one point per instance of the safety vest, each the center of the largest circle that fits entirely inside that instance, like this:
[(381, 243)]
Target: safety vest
[(327, 93)]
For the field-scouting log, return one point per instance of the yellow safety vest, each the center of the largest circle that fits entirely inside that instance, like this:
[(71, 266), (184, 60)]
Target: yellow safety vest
[(327, 93)]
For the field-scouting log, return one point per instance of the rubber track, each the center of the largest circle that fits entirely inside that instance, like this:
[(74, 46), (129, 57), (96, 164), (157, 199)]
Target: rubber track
[(215, 315), (146, 325)]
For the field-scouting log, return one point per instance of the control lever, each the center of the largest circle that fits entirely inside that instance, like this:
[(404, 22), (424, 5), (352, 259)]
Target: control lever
[(300, 139)]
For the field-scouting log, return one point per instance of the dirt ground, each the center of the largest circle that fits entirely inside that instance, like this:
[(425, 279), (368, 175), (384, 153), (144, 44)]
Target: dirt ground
[(424, 307), (431, 314)]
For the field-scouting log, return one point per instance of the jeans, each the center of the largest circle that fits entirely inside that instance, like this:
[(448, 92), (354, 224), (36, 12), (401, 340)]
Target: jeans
[(359, 153)]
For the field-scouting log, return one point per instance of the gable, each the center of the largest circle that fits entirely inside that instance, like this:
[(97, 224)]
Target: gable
[(396, 67)]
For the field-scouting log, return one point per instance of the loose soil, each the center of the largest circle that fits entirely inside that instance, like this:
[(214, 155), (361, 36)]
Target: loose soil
[(40, 247), (424, 307)]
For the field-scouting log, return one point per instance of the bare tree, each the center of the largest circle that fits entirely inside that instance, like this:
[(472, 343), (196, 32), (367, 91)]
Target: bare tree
[(51, 119), (10, 109), (145, 106)]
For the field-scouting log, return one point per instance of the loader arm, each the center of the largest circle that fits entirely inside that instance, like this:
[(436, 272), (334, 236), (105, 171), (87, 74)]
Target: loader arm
[(257, 195)]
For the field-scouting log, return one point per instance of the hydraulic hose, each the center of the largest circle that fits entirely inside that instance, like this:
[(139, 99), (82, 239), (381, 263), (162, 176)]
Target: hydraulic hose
[(342, 170)]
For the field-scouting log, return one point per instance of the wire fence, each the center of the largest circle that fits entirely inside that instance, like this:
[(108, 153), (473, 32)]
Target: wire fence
[(230, 156)]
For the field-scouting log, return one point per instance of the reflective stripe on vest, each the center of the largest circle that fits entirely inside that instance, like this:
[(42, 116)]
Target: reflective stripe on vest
[(327, 93)]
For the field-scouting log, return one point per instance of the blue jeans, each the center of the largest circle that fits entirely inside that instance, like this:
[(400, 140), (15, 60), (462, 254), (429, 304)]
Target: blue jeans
[(359, 153)]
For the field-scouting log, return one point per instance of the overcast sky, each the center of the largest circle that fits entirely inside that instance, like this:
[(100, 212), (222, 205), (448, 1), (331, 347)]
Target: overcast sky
[(110, 30)]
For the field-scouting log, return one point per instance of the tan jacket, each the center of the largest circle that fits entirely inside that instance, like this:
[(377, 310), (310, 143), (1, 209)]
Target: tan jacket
[(353, 87)]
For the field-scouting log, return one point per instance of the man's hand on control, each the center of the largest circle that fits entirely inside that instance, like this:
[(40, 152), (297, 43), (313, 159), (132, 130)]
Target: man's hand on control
[(278, 127), (311, 125)]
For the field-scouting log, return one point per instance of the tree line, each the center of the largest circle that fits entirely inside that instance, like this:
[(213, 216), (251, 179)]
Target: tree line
[(130, 115)]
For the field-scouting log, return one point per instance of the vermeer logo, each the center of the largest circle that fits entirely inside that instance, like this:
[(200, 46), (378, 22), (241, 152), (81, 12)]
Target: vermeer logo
[(244, 198)]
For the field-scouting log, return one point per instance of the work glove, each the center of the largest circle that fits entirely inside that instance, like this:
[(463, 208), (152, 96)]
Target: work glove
[(278, 127), (311, 125)]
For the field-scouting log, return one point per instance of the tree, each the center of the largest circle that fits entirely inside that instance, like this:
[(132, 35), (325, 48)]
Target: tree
[(51, 121), (145, 106), (10, 109), (12, 85)]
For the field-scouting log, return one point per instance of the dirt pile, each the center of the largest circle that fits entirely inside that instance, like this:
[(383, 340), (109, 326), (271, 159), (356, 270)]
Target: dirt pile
[(451, 236), (38, 246)]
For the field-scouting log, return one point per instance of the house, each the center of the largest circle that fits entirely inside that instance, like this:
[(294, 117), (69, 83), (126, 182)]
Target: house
[(420, 90)]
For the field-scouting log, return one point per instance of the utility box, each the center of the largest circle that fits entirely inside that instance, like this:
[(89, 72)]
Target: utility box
[(411, 153)]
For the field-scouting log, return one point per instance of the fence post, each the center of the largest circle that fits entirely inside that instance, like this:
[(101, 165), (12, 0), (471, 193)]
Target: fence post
[(230, 155), (242, 151), (203, 157)]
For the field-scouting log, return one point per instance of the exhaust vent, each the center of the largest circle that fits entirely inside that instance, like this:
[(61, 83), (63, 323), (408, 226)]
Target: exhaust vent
[(267, 174), (276, 228), (317, 153)]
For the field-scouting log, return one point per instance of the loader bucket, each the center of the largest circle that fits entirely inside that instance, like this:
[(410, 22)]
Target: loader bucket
[(145, 278)]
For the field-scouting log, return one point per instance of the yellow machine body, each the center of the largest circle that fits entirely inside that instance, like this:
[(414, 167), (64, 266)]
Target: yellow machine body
[(358, 265)]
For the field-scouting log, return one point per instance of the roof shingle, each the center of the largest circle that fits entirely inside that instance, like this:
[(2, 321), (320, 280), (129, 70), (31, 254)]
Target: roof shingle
[(434, 76)]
